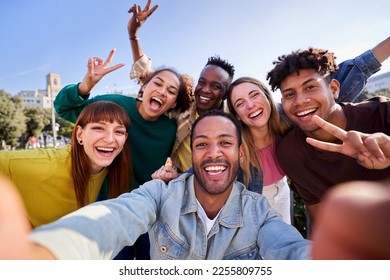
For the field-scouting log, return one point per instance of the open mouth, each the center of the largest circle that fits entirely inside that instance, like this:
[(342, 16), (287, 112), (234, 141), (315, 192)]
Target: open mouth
[(155, 103), (105, 150), (204, 99), (306, 113), (256, 114), (215, 169)]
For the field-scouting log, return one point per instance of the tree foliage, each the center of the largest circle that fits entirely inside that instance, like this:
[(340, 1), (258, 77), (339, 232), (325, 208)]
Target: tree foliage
[(35, 121), (65, 128), (18, 123), (366, 95), (12, 119)]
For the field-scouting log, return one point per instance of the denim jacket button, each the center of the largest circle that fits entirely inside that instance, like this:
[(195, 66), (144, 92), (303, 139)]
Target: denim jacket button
[(164, 248)]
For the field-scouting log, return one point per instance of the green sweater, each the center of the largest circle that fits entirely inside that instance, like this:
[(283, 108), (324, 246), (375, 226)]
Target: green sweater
[(151, 142)]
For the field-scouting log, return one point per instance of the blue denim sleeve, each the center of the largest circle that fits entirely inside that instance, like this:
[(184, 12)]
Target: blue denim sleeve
[(353, 75)]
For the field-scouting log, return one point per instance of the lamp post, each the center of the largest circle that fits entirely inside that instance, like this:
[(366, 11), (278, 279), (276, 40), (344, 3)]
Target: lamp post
[(53, 117)]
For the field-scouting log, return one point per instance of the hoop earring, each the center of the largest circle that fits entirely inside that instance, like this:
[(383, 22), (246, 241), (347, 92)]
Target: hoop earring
[(81, 142)]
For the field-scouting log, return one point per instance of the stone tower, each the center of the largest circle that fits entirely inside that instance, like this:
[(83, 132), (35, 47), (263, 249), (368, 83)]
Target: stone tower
[(53, 81)]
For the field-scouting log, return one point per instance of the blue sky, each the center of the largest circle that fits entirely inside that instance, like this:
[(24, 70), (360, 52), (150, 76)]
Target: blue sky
[(42, 36)]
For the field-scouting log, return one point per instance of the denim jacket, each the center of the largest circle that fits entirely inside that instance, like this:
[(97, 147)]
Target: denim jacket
[(352, 75), (246, 228)]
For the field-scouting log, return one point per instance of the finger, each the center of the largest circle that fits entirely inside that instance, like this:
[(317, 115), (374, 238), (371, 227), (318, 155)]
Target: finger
[(132, 9), (109, 57), (113, 68), (147, 5), (168, 162), (367, 162), (161, 172), (167, 176), (97, 60), (355, 141), (151, 11), (330, 128), (157, 174), (169, 169), (372, 144), (332, 147), (91, 66)]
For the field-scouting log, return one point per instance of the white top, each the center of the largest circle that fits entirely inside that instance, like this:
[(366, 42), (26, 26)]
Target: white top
[(208, 223)]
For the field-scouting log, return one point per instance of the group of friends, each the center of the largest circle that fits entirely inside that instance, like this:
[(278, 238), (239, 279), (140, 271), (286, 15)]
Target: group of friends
[(228, 192)]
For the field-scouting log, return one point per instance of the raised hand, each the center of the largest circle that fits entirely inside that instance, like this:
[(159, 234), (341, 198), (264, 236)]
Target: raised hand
[(97, 69), (139, 17), (371, 150), (166, 172)]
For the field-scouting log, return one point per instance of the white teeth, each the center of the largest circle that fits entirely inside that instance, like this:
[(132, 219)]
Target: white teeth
[(300, 114), (204, 98), (255, 114), (104, 149), (157, 99), (215, 168)]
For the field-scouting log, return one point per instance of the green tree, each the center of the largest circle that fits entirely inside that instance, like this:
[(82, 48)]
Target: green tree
[(35, 121), (366, 95), (12, 119), (65, 129), (383, 92)]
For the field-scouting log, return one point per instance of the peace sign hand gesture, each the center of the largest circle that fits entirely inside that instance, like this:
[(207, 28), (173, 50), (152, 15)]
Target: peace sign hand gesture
[(97, 69), (139, 17), (371, 150)]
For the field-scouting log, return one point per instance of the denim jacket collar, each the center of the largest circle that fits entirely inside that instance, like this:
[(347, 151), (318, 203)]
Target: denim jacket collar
[(231, 215)]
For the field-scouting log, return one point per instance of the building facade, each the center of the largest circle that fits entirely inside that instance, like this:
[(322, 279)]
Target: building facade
[(42, 98), (378, 83)]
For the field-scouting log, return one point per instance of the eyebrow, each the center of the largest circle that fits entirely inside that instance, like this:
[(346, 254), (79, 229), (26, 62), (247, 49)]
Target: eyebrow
[(304, 83), (210, 82), (228, 135), (162, 80), (254, 90), (106, 122)]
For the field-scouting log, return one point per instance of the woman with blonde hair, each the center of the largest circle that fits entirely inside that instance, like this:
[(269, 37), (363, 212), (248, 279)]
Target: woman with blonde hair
[(252, 104)]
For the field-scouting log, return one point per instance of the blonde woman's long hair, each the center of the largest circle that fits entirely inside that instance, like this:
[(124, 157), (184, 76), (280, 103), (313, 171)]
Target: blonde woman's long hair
[(277, 126)]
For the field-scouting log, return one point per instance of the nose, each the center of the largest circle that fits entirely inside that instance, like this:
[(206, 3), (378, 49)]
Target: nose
[(162, 91), (250, 104), (214, 151), (302, 98), (109, 136), (206, 87)]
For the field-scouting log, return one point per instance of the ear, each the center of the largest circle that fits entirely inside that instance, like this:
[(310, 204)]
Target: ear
[(143, 88), (334, 86), (241, 153), (79, 133), (174, 105)]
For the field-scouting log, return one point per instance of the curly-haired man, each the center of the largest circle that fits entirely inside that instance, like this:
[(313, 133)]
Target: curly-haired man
[(309, 89)]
